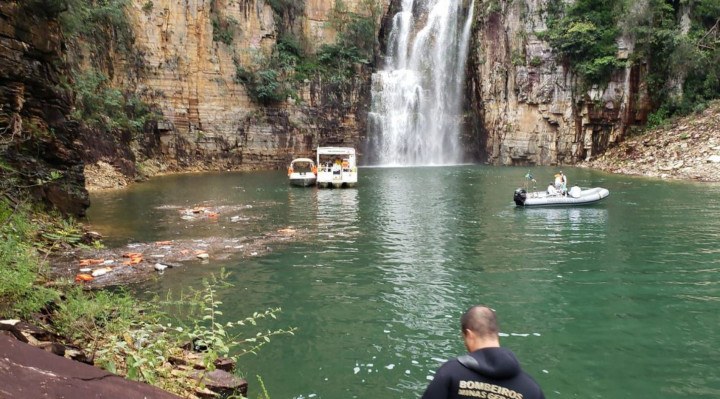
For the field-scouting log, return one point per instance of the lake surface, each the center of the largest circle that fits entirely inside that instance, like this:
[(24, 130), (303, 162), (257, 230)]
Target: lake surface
[(614, 300)]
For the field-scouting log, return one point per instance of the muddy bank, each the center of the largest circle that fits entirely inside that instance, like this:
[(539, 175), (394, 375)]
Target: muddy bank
[(685, 149), (103, 176)]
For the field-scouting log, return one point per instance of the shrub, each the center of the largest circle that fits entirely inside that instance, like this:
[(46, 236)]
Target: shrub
[(20, 271), (104, 107), (585, 37)]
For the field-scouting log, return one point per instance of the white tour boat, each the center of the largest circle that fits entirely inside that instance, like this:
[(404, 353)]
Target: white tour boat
[(337, 167)]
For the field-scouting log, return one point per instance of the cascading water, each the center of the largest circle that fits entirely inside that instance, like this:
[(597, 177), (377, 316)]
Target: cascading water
[(416, 99)]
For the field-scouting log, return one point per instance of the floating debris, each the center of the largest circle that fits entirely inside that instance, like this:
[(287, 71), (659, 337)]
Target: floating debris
[(100, 272)]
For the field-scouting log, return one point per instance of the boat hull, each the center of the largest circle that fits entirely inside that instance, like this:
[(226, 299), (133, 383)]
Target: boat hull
[(576, 196), (302, 180)]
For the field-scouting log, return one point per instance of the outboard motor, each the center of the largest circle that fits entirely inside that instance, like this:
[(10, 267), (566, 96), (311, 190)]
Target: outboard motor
[(520, 196)]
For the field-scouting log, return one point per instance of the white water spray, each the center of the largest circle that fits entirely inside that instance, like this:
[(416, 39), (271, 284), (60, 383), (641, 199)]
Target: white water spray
[(416, 99)]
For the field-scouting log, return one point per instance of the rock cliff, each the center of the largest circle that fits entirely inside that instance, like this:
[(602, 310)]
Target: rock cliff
[(40, 146), (191, 51), (524, 107)]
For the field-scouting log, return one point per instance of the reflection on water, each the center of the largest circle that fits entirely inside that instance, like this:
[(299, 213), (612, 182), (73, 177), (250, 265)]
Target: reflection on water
[(377, 289)]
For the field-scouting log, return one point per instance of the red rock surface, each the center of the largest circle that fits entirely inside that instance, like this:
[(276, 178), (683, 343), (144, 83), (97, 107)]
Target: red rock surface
[(29, 372)]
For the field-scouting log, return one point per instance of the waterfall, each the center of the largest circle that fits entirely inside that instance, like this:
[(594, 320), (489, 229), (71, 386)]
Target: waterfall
[(417, 98)]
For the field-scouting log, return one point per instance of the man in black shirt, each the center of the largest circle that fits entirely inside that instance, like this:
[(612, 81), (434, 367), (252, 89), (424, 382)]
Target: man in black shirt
[(488, 371)]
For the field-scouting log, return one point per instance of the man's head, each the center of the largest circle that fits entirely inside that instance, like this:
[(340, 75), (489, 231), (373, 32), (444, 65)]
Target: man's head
[(479, 328)]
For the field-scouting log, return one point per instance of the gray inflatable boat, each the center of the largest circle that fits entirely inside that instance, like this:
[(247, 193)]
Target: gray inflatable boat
[(574, 196)]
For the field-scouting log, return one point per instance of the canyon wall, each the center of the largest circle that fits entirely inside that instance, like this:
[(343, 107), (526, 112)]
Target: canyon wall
[(208, 117), (40, 147), (524, 108)]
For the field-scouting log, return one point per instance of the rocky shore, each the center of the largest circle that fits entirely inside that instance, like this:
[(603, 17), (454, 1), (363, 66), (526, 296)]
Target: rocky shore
[(683, 149)]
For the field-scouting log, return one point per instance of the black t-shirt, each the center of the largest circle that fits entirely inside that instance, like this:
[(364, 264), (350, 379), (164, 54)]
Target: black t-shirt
[(490, 373)]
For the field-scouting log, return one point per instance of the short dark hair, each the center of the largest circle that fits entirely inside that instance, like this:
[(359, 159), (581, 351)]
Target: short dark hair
[(481, 320)]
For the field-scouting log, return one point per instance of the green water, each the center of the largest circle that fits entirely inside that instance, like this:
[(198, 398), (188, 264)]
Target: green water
[(615, 300)]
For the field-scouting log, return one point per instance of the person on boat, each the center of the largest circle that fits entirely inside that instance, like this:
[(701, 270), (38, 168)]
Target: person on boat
[(345, 165), (487, 370), (337, 166), (561, 182)]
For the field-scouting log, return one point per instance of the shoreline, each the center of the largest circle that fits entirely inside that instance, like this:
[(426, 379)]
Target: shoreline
[(686, 149)]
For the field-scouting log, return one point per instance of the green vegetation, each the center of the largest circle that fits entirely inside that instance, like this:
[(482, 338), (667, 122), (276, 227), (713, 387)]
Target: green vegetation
[(223, 26), (101, 106), (584, 33), (22, 289), (683, 68), (683, 62), (101, 27), (278, 76)]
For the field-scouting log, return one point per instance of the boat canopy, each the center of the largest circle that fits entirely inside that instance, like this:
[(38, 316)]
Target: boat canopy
[(302, 160), (335, 151)]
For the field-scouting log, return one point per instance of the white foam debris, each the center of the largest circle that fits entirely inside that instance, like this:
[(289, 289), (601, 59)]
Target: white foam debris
[(386, 331), (390, 366), (407, 371), (414, 362), (356, 370), (437, 359), (519, 335), (536, 334), (429, 377), (545, 371), (503, 334)]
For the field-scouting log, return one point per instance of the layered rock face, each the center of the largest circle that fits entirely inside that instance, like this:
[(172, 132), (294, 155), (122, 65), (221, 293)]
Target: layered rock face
[(208, 117), (37, 139), (525, 108)]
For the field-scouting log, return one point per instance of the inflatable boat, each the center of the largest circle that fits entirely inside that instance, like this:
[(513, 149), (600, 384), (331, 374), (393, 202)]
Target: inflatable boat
[(552, 197)]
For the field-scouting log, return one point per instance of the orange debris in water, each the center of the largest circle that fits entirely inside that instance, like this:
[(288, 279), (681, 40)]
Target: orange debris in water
[(81, 278)]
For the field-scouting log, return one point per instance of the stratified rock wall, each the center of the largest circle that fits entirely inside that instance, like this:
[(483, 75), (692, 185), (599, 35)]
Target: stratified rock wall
[(208, 117), (36, 138), (524, 106)]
